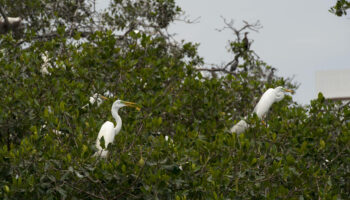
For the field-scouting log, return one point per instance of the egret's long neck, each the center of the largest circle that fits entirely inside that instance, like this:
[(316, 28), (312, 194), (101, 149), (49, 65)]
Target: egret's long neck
[(118, 120)]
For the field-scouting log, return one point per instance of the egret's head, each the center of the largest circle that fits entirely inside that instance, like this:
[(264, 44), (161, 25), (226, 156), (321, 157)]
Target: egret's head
[(280, 91), (120, 103)]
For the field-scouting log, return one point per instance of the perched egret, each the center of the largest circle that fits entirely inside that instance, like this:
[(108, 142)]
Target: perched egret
[(271, 96), (108, 131), (12, 20), (49, 63), (11, 23), (98, 98), (268, 98), (44, 67)]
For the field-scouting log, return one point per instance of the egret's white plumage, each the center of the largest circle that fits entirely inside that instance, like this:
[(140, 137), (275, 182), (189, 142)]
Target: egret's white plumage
[(271, 96), (108, 131), (96, 98), (50, 63), (46, 65), (240, 127), (13, 20)]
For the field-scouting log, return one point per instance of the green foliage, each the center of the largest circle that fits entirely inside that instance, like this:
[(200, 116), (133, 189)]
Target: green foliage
[(340, 8), (303, 153)]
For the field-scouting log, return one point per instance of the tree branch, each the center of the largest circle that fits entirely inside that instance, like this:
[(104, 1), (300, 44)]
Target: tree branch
[(88, 193), (216, 70), (229, 25), (133, 183), (4, 15)]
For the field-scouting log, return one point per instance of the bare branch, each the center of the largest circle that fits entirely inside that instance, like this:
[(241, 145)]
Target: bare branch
[(187, 20), (86, 192), (4, 15), (216, 70), (133, 183), (254, 27), (240, 47), (53, 35), (229, 25)]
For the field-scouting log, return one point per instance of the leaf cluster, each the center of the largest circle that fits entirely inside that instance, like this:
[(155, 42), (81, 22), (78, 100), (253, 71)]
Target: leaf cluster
[(340, 8)]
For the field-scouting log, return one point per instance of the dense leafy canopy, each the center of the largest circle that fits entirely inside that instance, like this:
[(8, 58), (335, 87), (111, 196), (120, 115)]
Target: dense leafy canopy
[(303, 153)]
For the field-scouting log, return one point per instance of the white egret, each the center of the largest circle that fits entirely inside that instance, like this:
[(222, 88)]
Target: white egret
[(268, 98), (108, 94), (12, 23), (49, 63), (271, 96), (98, 98), (46, 65), (108, 131), (13, 20)]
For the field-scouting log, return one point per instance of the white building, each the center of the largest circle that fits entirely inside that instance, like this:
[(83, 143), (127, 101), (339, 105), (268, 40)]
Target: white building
[(334, 84)]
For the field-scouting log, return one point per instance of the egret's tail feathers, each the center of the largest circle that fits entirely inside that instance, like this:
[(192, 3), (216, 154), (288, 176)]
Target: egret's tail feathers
[(101, 153), (240, 127)]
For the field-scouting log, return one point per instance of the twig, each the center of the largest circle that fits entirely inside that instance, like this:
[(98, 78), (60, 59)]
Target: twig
[(4, 15), (131, 28), (86, 192), (229, 25), (216, 70), (133, 183), (188, 21), (205, 164), (337, 156), (133, 141), (53, 35), (74, 16), (348, 103)]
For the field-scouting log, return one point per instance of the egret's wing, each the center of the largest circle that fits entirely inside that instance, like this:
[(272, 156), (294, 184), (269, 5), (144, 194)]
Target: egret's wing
[(265, 102), (240, 127), (108, 94), (107, 131), (92, 100), (102, 153)]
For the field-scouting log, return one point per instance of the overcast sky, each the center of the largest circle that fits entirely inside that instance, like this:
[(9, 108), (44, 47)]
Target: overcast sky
[(298, 37)]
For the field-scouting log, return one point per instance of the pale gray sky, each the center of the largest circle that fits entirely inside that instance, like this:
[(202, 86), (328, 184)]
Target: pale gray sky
[(298, 37)]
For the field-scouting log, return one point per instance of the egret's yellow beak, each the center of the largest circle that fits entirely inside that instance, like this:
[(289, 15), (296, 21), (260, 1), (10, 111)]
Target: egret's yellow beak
[(288, 90), (103, 97), (132, 104)]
